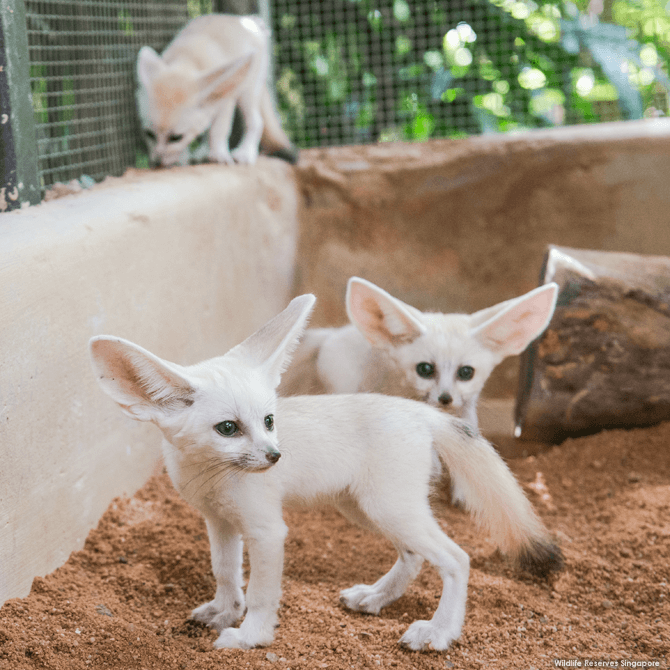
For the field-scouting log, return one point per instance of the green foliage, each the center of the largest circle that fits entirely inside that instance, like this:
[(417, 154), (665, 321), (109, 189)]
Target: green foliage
[(199, 7), (378, 70)]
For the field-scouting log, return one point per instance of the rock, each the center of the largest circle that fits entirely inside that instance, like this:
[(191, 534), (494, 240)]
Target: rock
[(104, 610)]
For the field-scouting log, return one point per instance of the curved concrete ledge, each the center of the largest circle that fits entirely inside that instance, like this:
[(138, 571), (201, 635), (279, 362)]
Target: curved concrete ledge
[(186, 262)]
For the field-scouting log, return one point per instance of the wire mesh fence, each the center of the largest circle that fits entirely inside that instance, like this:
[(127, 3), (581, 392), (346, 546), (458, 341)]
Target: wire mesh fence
[(356, 71), (378, 70)]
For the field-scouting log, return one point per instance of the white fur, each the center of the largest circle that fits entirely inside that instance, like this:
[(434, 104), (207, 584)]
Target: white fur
[(373, 457), (216, 63), (380, 349)]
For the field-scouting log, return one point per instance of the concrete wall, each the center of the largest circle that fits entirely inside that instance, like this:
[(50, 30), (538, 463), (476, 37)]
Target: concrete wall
[(186, 262), (461, 225)]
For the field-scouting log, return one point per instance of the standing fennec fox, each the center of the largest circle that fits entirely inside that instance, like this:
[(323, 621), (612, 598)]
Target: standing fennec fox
[(373, 457), (392, 347), (216, 63)]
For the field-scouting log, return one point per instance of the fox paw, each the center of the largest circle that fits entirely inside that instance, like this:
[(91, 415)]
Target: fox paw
[(246, 155), (237, 638), (364, 598), (230, 638), (221, 155), (423, 635), (215, 617)]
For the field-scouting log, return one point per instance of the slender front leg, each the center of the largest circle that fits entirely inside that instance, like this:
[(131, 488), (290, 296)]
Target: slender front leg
[(250, 106), (226, 550), (219, 133), (265, 544), (249, 102)]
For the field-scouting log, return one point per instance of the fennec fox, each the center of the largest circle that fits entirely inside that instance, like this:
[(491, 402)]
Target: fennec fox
[(392, 347), (237, 452), (216, 63)]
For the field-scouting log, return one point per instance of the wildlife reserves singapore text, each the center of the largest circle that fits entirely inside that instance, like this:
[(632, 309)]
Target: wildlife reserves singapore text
[(596, 663)]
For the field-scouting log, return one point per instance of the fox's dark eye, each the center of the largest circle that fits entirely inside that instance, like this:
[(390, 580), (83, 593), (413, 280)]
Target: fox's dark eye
[(227, 428), (150, 135), (270, 422), (425, 370), (175, 138), (465, 373)]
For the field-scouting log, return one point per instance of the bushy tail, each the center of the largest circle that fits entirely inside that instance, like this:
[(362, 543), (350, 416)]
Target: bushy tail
[(492, 495)]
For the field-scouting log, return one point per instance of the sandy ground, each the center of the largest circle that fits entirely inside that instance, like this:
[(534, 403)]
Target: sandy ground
[(123, 602)]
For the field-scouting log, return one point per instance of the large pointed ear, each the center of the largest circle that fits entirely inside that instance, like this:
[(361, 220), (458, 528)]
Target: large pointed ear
[(144, 386), (512, 329), (271, 347), (381, 318), (222, 81), (483, 315), (149, 66)]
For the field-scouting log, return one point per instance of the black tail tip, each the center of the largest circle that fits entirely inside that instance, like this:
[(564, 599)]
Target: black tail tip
[(542, 559), (288, 154)]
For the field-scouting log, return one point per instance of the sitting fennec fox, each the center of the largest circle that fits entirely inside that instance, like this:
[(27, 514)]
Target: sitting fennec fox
[(373, 457), (392, 347), (217, 62)]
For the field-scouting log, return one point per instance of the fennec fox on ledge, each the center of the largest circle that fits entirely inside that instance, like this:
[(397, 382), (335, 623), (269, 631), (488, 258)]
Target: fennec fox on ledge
[(216, 63), (237, 452)]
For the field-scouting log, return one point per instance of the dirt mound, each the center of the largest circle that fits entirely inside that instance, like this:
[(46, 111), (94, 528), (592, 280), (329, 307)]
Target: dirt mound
[(123, 601)]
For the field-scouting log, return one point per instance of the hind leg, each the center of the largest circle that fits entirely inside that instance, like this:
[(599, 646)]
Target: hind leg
[(453, 564), (372, 598), (408, 522)]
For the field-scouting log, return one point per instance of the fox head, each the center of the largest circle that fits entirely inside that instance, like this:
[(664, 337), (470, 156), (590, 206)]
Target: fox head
[(221, 410), (177, 105), (445, 359)]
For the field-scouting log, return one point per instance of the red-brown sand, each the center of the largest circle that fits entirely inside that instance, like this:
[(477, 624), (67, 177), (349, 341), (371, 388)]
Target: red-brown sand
[(123, 602)]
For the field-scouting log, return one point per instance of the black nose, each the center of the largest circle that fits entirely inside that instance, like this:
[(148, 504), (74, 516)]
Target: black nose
[(273, 456), (445, 399)]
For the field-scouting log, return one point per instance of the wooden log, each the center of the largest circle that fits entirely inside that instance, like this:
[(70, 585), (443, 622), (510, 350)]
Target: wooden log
[(604, 360)]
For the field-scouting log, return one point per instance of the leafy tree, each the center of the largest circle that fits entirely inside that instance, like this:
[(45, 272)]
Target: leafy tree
[(369, 70)]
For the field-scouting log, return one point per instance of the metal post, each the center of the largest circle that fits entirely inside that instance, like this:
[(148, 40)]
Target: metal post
[(19, 178)]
